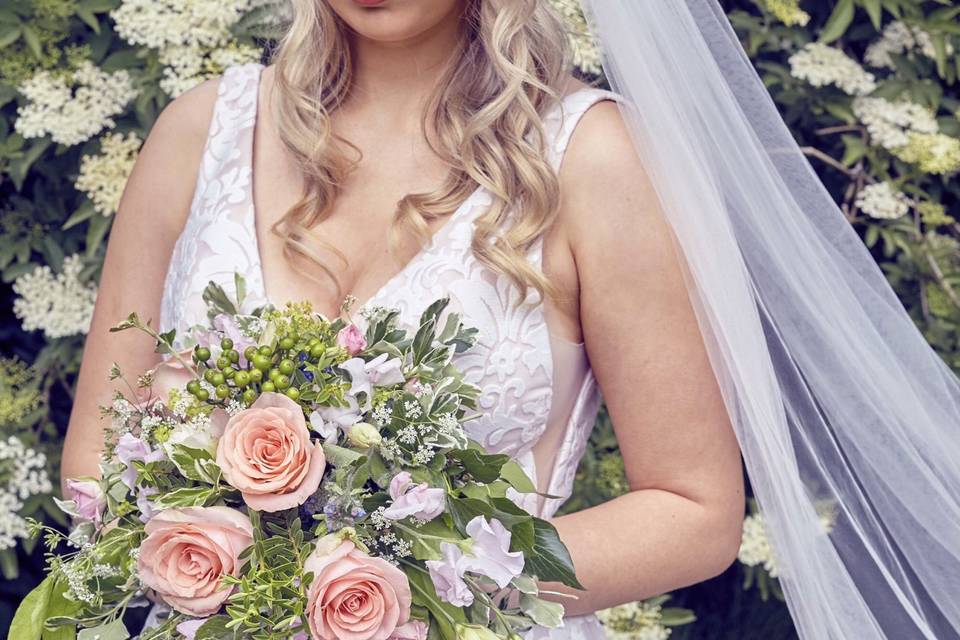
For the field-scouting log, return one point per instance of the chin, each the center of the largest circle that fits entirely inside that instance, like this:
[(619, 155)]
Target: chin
[(394, 20)]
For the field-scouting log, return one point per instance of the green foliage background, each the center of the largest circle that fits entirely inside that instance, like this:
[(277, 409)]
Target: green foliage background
[(44, 218)]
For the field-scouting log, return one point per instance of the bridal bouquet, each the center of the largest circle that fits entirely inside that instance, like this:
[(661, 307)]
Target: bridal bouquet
[(296, 477)]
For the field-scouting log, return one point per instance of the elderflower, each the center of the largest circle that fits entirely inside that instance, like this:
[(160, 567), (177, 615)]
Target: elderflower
[(73, 107), (192, 37), (59, 304), (899, 39), (821, 65), (586, 51), (23, 474), (932, 152), (787, 11), (882, 201), (104, 175), (634, 621), (755, 546), (889, 123)]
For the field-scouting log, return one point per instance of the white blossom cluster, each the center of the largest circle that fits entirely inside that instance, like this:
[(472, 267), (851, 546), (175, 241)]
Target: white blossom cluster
[(890, 123), (788, 12), (633, 621), (586, 50), (882, 201), (755, 548), (897, 39), (72, 107), (192, 36), (24, 474), (103, 176), (59, 304), (822, 65)]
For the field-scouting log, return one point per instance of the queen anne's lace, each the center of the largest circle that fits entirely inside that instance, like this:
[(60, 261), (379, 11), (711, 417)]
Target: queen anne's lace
[(514, 360)]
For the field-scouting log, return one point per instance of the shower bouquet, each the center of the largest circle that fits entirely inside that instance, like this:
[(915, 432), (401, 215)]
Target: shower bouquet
[(291, 476)]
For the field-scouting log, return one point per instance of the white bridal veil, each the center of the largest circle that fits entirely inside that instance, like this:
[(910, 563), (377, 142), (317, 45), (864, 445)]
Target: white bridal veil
[(844, 414)]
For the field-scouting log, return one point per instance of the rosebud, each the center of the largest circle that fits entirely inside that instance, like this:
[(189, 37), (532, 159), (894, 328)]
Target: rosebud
[(364, 434)]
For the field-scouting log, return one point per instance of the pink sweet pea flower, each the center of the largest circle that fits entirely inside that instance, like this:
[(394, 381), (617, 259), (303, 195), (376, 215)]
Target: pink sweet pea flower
[(490, 553), (352, 339), (447, 576), (88, 498), (422, 501), (413, 630)]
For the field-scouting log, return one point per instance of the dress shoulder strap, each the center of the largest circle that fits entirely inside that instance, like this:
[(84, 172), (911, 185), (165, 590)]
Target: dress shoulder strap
[(234, 115), (562, 120)]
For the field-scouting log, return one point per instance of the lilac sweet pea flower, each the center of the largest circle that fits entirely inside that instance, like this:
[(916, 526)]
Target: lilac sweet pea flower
[(147, 508), (88, 498), (382, 371), (338, 416), (490, 553), (447, 576), (421, 501), (412, 630), (130, 448), (189, 628)]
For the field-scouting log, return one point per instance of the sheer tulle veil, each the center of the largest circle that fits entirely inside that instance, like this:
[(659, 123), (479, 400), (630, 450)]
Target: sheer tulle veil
[(848, 421)]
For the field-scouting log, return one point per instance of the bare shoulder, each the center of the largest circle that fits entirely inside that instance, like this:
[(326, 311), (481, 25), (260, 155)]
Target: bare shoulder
[(605, 188)]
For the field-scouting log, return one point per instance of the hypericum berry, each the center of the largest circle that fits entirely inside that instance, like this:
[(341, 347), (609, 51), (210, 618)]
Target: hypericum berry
[(223, 363), (293, 393), (233, 355), (265, 350), (273, 374), (256, 375), (226, 344), (287, 367), (268, 387), (287, 343), (208, 375), (282, 381), (229, 372), (241, 378), (249, 396), (193, 386), (317, 351), (262, 362), (202, 354), (217, 379), (249, 352), (203, 395), (223, 391)]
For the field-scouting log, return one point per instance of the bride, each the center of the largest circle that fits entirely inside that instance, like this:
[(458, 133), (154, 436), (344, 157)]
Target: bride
[(664, 245)]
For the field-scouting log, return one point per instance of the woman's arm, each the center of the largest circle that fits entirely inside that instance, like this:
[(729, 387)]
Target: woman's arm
[(680, 523), (151, 214)]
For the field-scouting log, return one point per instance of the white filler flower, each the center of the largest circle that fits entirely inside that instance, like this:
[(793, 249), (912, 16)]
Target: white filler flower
[(882, 201), (59, 304), (821, 65), (104, 175)]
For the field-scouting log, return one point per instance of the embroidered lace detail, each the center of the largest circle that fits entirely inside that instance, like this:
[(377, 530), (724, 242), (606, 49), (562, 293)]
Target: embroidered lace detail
[(514, 360)]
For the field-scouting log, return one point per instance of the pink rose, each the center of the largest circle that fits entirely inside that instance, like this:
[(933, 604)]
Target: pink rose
[(187, 551), (167, 376), (354, 596), (352, 339), (413, 630), (88, 498), (267, 454), (420, 501)]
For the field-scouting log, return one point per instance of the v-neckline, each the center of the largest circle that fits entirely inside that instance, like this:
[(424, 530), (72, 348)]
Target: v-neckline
[(436, 239)]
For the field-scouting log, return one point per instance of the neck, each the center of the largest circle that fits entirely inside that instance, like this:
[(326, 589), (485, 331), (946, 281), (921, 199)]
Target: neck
[(404, 72)]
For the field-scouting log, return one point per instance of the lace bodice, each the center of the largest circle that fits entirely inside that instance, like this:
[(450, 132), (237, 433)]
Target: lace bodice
[(539, 397)]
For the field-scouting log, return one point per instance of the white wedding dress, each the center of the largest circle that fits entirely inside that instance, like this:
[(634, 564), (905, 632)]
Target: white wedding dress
[(539, 396)]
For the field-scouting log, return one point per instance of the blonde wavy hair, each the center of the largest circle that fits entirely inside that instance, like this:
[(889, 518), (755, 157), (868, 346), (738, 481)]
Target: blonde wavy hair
[(485, 114)]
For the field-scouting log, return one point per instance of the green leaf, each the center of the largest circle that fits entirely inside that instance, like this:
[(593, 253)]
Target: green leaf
[(99, 225), (84, 212), (838, 22), (549, 559), (543, 612), (425, 595), (215, 628), (88, 17), (115, 630), (33, 40), (340, 456), (875, 11), (517, 477), (28, 621), (8, 35), (485, 467)]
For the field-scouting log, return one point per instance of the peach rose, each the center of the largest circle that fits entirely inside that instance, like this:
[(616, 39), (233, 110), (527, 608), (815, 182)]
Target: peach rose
[(267, 454), (186, 552), (354, 596)]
